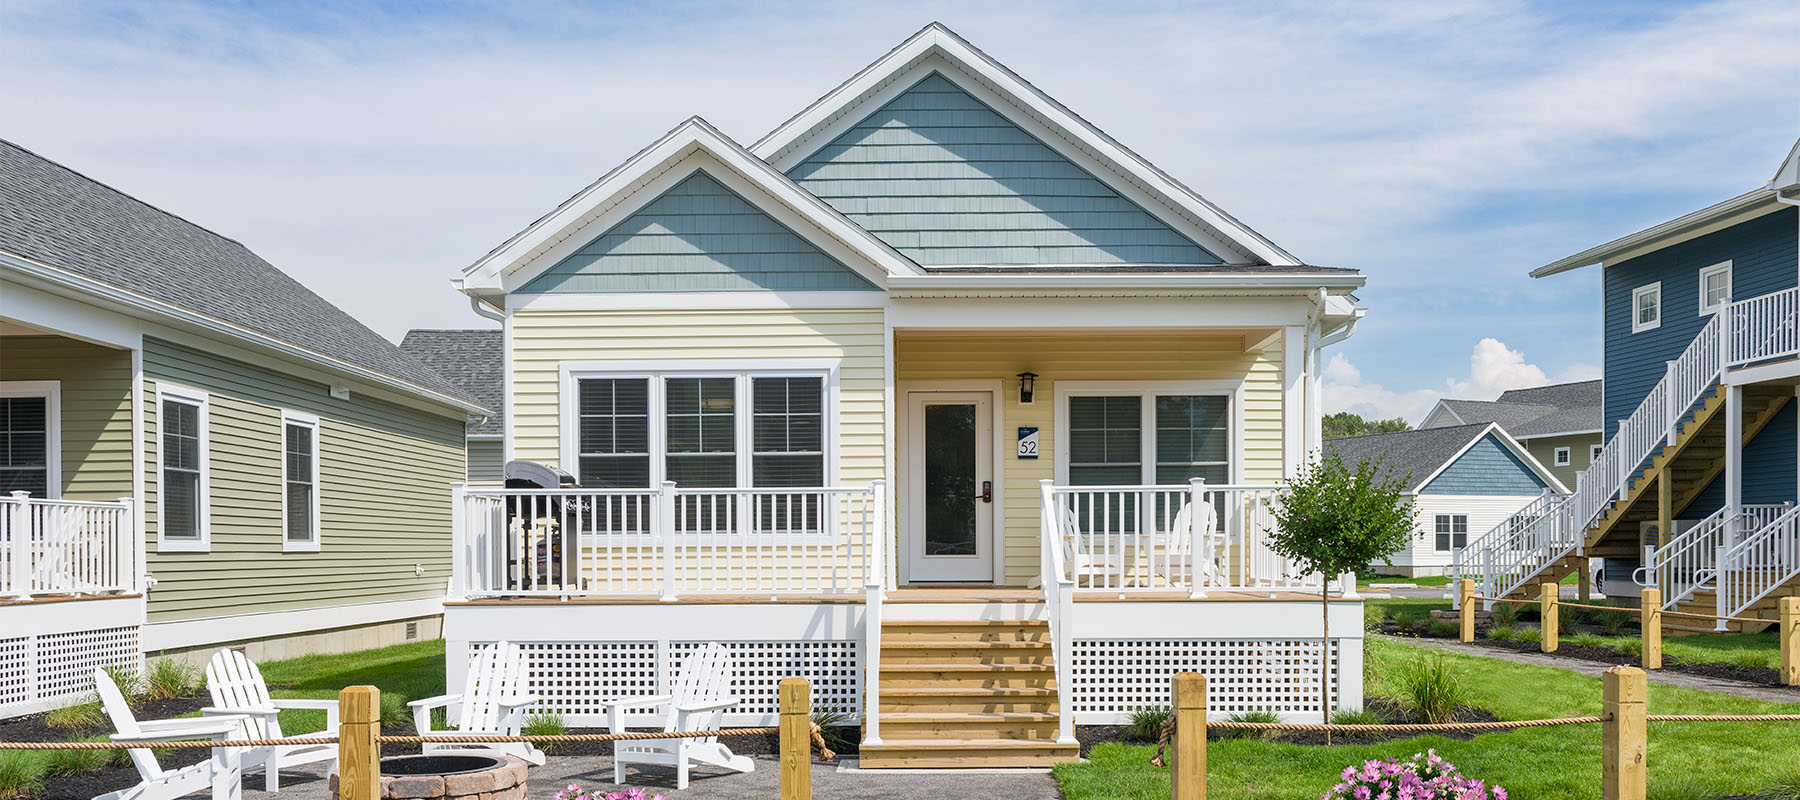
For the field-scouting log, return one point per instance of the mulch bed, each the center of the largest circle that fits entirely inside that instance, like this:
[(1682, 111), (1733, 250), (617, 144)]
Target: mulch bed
[(1388, 710), (1759, 676)]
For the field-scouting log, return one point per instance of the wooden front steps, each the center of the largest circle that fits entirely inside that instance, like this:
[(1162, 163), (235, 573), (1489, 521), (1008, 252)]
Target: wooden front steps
[(1704, 601), (967, 694)]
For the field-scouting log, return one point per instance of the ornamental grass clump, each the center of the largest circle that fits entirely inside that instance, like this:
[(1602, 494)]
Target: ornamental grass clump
[(1146, 723), (1506, 615), (1425, 776), (1431, 689)]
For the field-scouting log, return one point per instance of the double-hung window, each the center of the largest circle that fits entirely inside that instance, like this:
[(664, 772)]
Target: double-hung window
[(725, 431), (1452, 531), (1155, 433), (29, 457), (1715, 287), (299, 482), (183, 508), (1646, 307)]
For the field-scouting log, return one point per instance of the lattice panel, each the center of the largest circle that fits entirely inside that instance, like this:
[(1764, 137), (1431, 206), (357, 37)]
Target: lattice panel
[(66, 661), (831, 667), (15, 670), (577, 678), (1117, 676)]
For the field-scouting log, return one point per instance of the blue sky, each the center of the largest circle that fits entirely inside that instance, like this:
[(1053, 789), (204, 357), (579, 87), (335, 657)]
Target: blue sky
[(1445, 148)]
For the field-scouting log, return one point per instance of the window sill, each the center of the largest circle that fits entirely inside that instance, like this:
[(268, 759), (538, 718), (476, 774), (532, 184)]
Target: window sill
[(299, 547), (183, 546)]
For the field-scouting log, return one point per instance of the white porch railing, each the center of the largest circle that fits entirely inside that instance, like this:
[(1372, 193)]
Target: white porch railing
[(67, 547), (1168, 538), (667, 542), (1686, 562), (1758, 564), (1059, 604)]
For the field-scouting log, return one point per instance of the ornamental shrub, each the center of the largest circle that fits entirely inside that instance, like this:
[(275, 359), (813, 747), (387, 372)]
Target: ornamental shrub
[(1425, 776)]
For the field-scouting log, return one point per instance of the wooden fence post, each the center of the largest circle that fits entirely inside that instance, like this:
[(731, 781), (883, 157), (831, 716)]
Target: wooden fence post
[(1624, 735), (1465, 608), (1790, 641), (1187, 773), (1650, 627), (1547, 593), (796, 739), (359, 755)]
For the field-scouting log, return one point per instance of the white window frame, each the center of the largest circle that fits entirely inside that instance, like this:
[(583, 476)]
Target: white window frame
[(1640, 292), (1451, 532), (195, 397), (1562, 456), (1723, 267), (51, 391), (1147, 391), (1594, 452), (311, 543), (655, 373)]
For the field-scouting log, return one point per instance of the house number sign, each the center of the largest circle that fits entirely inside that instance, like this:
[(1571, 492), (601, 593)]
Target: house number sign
[(1028, 443)]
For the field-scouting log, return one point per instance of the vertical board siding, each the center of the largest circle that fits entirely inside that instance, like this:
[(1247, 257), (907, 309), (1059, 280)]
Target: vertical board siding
[(1486, 468), (96, 409), (698, 236), (1090, 356), (945, 179), (1580, 447), (543, 339), (384, 494), (487, 460)]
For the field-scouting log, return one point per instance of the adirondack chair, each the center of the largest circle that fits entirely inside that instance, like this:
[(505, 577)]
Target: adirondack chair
[(222, 772), (697, 703), (1174, 558), (238, 692), (493, 701)]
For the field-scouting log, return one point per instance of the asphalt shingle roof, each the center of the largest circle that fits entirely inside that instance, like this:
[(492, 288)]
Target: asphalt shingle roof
[(1540, 411), (1413, 454), (54, 215), (473, 360)]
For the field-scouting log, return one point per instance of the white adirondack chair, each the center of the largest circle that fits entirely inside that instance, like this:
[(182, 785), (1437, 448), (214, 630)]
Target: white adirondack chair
[(1174, 559), (697, 703), (238, 691), (492, 701), (222, 773)]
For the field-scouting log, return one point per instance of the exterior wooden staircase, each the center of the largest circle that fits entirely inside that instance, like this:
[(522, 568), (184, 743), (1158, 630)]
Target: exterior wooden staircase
[(967, 693), (1704, 601)]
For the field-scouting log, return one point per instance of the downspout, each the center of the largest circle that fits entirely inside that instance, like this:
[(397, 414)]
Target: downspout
[(486, 310)]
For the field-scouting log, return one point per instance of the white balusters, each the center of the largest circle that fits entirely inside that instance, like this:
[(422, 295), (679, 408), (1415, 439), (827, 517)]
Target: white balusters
[(67, 547)]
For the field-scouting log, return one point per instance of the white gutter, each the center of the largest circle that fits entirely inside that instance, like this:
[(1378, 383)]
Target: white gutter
[(149, 305), (1341, 283), (1674, 227), (483, 308)]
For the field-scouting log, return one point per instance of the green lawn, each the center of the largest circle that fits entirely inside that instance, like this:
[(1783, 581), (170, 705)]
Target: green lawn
[(1712, 759), (1364, 581), (411, 671)]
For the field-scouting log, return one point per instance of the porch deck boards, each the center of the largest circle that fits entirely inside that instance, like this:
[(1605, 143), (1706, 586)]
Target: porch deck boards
[(63, 598), (913, 594)]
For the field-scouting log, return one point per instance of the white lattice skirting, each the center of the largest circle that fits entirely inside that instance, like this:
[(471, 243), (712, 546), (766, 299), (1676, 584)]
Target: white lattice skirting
[(575, 679), (49, 670), (1114, 677)]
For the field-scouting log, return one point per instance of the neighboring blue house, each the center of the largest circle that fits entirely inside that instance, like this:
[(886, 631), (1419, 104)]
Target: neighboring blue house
[(1702, 353)]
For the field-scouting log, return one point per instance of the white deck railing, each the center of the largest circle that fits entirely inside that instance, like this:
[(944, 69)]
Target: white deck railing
[(67, 547), (1189, 538), (1758, 564), (1686, 563), (667, 542), (1059, 603)]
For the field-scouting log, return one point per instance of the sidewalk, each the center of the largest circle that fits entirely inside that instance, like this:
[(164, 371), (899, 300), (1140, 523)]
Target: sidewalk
[(1663, 676)]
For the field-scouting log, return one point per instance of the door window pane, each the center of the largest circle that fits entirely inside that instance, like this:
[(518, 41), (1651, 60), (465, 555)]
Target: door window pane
[(181, 455), (950, 480), (24, 445), (300, 454), (614, 440)]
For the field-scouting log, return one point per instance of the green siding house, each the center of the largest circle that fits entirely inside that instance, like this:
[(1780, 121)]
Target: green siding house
[(206, 452)]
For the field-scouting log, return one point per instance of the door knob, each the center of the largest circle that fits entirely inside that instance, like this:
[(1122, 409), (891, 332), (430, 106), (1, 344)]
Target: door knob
[(987, 491)]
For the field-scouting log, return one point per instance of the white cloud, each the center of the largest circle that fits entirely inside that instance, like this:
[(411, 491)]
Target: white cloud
[(1493, 368)]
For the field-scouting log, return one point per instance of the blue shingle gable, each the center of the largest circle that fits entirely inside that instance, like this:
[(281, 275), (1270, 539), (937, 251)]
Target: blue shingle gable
[(1488, 467), (946, 180), (699, 236)]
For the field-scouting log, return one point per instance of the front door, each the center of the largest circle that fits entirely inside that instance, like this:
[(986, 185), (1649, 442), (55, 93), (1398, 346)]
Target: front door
[(949, 515)]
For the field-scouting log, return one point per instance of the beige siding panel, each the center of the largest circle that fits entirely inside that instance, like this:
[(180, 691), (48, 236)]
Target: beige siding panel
[(96, 408), (487, 460), (1544, 450), (385, 475), (544, 339), (1091, 356)]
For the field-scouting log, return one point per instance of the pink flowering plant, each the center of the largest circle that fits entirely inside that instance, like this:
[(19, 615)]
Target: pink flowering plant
[(575, 792), (1425, 776)]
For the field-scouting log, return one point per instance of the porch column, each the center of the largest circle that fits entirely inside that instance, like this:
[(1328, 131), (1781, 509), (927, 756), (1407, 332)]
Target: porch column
[(1293, 399), (1734, 460), (1315, 387)]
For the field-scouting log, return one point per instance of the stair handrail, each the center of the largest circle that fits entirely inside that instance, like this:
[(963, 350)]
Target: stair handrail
[(1059, 605), (1758, 564), (874, 585), (1686, 562)]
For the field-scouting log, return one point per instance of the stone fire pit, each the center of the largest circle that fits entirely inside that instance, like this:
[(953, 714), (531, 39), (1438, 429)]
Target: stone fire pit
[(449, 776)]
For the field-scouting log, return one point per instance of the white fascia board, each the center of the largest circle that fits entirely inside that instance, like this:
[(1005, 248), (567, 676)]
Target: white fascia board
[(1678, 228), (619, 185), (779, 145), (1088, 311), (1239, 282), (1442, 406), (144, 306), (1595, 431), (1788, 176)]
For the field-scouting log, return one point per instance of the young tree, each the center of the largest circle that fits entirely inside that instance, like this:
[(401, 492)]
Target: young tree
[(1333, 519)]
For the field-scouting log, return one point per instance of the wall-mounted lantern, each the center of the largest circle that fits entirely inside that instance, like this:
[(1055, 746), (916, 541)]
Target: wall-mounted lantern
[(1027, 387)]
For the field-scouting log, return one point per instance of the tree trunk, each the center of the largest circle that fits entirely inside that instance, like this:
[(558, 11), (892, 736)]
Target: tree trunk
[(1325, 655)]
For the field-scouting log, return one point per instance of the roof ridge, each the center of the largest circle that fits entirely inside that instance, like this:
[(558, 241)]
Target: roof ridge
[(120, 192)]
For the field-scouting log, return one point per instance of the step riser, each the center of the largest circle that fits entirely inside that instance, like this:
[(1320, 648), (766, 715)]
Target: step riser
[(937, 730), (969, 759), (962, 656), (963, 705), (927, 680), (890, 633)]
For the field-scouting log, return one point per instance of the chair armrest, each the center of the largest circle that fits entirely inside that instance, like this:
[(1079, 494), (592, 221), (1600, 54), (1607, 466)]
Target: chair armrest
[(435, 702), (215, 711), (315, 705), (195, 728), (637, 702), (517, 700), (707, 706)]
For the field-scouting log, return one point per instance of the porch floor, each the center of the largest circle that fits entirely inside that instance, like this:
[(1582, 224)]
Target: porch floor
[(916, 594)]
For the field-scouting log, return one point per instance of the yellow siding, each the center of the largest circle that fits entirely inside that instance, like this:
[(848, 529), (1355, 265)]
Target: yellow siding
[(543, 340), (1092, 356), (96, 408), (384, 495)]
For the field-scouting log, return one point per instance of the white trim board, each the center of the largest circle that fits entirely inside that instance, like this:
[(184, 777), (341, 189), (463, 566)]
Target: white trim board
[(270, 624), (1512, 445), (203, 401), (51, 392), (312, 543)]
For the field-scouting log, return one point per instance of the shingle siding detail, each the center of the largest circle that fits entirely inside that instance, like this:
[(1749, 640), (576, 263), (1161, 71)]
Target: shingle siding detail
[(1487, 468), (946, 180), (698, 236)]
